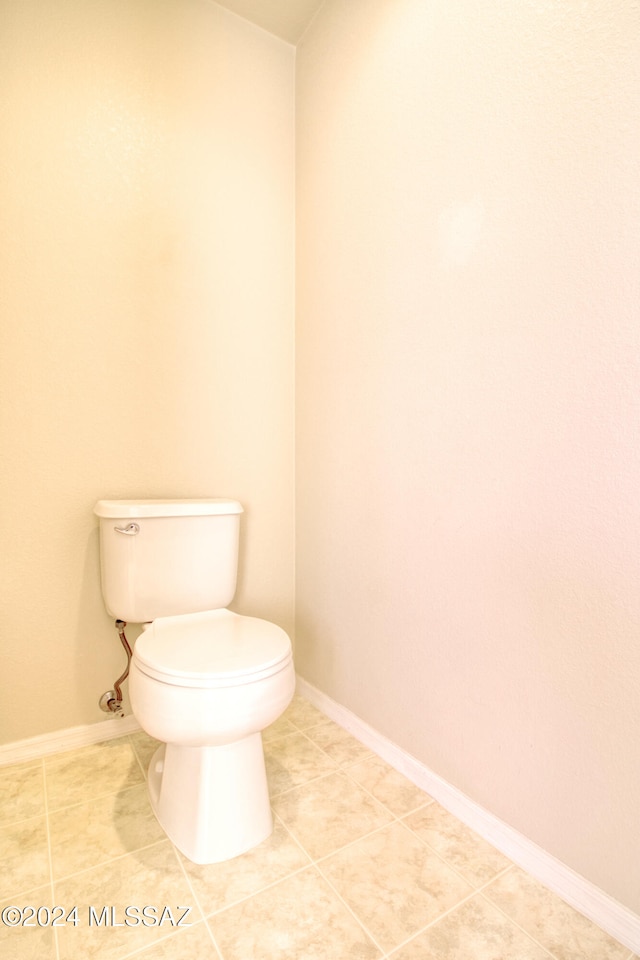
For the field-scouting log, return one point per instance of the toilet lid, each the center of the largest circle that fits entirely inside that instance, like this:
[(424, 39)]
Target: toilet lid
[(216, 648)]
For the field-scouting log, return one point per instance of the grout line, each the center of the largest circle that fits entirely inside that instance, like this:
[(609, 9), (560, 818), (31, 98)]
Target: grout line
[(293, 838), (352, 843), (197, 901), (398, 816), (357, 919), (121, 788), (17, 823), (176, 854), (304, 783), (344, 903), (453, 866), (212, 937), (49, 852), (149, 946), (447, 863), (105, 863), (98, 796), (511, 919), (341, 768), (267, 886), (141, 951), (476, 892), (139, 759), (432, 923), (298, 786), (257, 893)]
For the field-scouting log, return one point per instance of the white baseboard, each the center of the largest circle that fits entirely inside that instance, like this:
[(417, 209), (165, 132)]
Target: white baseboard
[(69, 739), (618, 921)]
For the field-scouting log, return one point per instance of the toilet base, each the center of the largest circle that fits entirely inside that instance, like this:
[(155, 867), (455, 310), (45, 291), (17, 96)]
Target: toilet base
[(213, 801)]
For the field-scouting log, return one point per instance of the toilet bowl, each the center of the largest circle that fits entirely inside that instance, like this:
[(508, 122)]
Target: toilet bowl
[(203, 680), (207, 684)]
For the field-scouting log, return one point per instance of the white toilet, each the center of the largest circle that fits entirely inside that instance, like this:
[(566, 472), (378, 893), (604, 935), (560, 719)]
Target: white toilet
[(204, 680)]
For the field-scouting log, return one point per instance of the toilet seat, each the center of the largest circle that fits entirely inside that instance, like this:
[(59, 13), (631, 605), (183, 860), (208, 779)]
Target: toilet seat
[(215, 648)]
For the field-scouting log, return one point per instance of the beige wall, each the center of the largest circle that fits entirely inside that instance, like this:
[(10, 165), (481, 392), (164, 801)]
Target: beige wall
[(468, 444), (146, 335)]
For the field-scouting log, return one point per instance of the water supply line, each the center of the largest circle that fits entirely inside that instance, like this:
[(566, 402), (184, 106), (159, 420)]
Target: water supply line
[(111, 701)]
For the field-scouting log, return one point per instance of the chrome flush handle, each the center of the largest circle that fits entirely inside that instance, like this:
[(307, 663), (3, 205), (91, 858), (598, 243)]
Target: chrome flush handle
[(131, 529)]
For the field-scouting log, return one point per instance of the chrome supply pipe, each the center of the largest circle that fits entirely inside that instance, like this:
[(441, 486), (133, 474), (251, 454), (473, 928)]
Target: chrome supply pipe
[(111, 701)]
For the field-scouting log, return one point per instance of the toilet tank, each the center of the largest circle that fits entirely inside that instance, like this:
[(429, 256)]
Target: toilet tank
[(161, 558)]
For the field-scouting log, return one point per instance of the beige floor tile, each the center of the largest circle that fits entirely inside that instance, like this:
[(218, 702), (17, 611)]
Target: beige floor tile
[(34, 940), (271, 904), (394, 883), (86, 835), (338, 743), (193, 943), (557, 926), (144, 747), (151, 878), (281, 728), (303, 714), (473, 931), (21, 792), (329, 813), (476, 859), (24, 856), (293, 760), (81, 775), (219, 885), (388, 786), (298, 919)]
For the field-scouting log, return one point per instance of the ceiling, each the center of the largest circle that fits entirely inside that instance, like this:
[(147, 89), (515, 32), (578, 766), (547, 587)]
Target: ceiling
[(288, 19)]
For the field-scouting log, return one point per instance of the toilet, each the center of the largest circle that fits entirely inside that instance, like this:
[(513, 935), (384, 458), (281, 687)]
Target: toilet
[(203, 680)]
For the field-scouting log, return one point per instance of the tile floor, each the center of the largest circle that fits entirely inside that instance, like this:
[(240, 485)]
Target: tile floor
[(362, 865)]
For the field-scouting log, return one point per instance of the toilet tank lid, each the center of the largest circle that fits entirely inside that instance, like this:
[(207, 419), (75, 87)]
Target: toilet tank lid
[(121, 509)]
